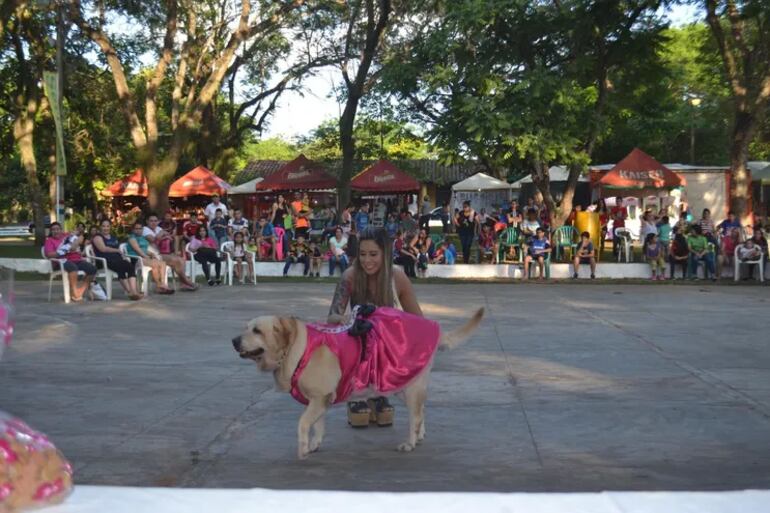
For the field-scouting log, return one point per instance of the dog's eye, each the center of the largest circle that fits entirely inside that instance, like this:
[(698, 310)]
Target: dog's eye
[(256, 331)]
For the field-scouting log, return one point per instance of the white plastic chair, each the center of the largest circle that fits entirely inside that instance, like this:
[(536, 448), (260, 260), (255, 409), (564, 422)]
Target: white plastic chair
[(759, 262), (624, 249), (144, 271), (104, 272), (54, 273), (227, 249), (191, 260)]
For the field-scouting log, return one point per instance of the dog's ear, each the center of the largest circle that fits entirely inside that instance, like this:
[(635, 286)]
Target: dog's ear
[(285, 330)]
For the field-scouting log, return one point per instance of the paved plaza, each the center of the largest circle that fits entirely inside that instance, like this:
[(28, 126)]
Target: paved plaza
[(565, 387)]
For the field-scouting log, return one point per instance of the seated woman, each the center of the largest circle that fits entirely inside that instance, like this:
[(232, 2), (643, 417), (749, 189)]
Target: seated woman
[(139, 247), (204, 250), (403, 255), (337, 246), (107, 246), (63, 246), (678, 253)]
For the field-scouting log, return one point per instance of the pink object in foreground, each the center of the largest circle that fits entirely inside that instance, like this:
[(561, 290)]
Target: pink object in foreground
[(398, 348)]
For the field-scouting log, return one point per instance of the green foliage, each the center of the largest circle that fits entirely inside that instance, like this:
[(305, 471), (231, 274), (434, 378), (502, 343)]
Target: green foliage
[(375, 138)]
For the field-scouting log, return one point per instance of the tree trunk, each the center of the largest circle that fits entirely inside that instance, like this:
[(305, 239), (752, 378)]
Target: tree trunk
[(23, 129), (347, 144), (569, 195), (740, 181), (542, 180)]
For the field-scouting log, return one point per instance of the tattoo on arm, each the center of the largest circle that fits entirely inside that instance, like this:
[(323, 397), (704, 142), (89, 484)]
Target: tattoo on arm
[(339, 302)]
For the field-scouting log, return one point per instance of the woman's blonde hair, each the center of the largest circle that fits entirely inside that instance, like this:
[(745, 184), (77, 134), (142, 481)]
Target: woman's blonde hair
[(383, 295)]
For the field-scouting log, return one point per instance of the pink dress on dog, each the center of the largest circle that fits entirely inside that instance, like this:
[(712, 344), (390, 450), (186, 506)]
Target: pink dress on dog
[(398, 348)]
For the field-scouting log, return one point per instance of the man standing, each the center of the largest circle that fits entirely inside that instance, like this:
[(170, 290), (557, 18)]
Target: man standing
[(211, 209), (163, 242), (425, 213), (300, 211), (362, 218)]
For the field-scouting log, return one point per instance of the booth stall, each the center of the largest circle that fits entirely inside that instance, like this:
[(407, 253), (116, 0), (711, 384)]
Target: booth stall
[(127, 197), (391, 187), (198, 182), (483, 191), (298, 175)]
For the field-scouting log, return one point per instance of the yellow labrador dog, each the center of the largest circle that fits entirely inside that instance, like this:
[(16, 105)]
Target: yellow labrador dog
[(278, 344)]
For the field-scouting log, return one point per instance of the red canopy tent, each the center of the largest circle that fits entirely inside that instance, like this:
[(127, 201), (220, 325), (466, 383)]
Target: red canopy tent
[(639, 171), (384, 177), (300, 174), (133, 185), (198, 182)]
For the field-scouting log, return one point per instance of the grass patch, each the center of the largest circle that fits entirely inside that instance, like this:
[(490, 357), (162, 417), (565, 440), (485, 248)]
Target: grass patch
[(19, 250)]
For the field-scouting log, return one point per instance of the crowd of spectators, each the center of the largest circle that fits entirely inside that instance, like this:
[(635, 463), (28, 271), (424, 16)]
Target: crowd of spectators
[(294, 233)]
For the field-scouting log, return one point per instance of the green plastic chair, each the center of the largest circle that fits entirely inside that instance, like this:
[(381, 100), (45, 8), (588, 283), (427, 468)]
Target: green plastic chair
[(436, 238), (507, 240), (565, 237)]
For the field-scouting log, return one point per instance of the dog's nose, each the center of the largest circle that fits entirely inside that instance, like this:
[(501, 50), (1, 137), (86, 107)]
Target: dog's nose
[(237, 343)]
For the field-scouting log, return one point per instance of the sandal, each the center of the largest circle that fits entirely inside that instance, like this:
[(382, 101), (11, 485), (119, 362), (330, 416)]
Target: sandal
[(166, 292), (382, 412), (135, 297), (359, 414)]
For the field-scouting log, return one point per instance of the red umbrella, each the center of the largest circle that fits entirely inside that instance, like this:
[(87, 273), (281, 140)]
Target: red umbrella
[(384, 177), (133, 185), (301, 174), (640, 171), (198, 182)]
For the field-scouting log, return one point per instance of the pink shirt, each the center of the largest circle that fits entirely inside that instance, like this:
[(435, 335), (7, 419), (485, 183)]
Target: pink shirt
[(52, 244), (398, 348), (208, 242)]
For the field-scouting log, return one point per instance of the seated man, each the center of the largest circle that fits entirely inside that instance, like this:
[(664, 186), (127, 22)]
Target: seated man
[(264, 234), (747, 252), (539, 248), (529, 227), (584, 254), (700, 251), (239, 223), (299, 252), (64, 246), (162, 239)]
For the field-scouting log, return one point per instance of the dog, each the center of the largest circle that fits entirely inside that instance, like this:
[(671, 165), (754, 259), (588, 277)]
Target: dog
[(322, 376)]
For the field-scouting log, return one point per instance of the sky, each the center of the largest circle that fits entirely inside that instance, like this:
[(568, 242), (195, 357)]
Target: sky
[(297, 115)]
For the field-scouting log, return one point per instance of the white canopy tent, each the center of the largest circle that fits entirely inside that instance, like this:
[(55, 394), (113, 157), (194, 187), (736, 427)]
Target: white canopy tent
[(483, 191), (556, 174), (249, 187)]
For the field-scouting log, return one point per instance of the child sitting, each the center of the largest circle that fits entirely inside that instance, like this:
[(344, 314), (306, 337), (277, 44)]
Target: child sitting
[(450, 255), (316, 258), (486, 243), (298, 253), (239, 253), (251, 246), (656, 256)]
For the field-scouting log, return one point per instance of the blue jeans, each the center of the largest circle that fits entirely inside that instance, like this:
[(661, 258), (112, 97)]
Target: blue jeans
[(707, 259), (296, 260), (343, 263)]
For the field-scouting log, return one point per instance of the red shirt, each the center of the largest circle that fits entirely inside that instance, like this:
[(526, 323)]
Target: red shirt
[(191, 228), (621, 222), (52, 244)]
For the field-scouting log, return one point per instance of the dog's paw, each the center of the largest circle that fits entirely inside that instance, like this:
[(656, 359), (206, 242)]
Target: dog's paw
[(315, 445), (405, 447), (302, 454)]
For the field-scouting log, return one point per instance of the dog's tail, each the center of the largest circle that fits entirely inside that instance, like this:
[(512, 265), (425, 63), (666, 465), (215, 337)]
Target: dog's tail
[(457, 336)]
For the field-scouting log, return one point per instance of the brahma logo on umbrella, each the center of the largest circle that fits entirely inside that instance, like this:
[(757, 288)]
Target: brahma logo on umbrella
[(651, 175), (384, 178), (299, 173)]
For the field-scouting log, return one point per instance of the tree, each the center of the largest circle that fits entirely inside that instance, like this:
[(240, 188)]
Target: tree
[(214, 31), (741, 29), (24, 48), (519, 85)]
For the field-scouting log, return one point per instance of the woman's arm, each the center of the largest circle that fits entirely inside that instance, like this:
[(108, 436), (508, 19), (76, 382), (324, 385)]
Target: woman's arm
[(340, 300), (100, 246), (137, 248), (406, 295)]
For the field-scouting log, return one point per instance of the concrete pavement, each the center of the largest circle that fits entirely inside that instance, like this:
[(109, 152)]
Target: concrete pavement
[(564, 388)]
